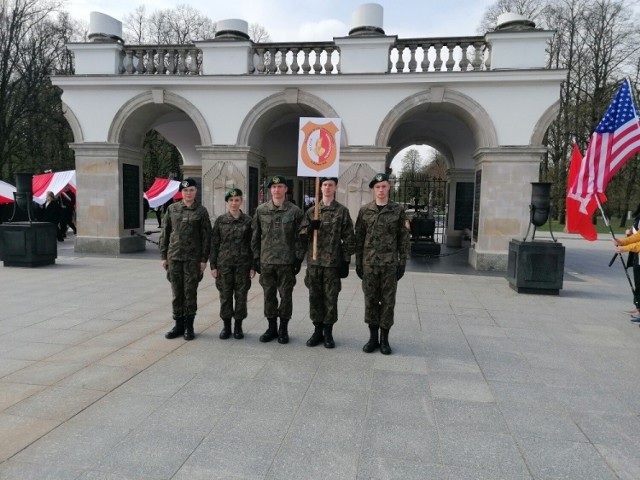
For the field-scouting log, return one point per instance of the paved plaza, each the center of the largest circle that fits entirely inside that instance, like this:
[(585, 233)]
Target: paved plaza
[(484, 383)]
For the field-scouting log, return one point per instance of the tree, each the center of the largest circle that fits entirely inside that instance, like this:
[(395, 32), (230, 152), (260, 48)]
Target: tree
[(33, 132), (258, 33)]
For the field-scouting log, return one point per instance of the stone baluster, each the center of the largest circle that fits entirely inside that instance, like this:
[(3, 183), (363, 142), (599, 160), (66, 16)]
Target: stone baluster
[(464, 60), (328, 65), (437, 64), (140, 57), (193, 64), (295, 67), (261, 66), (284, 66), (317, 66), (477, 56), (306, 67), (151, 61), (450, 61), (272, 67), (130, 66), (413, 63), (487, 59), (400, 62), (390, 65), (123, 56), (425, 57), (182, 62)]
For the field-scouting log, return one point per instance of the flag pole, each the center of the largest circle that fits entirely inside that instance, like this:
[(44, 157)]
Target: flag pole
[(624, 267), (316, 209)]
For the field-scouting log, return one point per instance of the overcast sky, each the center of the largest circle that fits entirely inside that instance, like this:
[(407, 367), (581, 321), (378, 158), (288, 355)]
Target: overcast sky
[(313, 20)]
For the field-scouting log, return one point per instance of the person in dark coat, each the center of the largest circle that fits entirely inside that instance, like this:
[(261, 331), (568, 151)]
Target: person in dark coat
[(50, 212)]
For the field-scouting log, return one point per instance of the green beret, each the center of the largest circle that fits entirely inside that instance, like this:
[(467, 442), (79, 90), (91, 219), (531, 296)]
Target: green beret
[(378, 177), (276, 179), (324, 179), (188, 182), (234, 192)]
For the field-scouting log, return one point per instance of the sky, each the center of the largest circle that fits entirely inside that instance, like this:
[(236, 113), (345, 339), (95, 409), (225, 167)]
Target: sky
[(313, 20)]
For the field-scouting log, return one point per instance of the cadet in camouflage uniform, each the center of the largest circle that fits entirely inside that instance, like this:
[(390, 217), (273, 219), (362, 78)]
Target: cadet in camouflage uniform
[(278, 253), (382, 245), (336, 244), (185, 241), (231, 263)]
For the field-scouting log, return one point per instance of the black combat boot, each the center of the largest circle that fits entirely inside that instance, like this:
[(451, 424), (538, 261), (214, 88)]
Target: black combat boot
[(272, 331), (226, 330), (316, 337), (373, 342), (328, 337), (189, 334), (177, 330), (237, 330), (283, 332), (385, 349)]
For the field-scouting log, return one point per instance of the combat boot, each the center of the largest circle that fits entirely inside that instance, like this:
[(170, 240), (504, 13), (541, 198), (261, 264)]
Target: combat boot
[(283, 332), (373, 342), (328, 337), (226, 330), (316, 337), (237, 330), (189, 334), (272, 331), (385, 349), (177, 330)]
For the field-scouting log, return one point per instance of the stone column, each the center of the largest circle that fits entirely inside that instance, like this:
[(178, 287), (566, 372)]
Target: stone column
[(223, 168), (100, 170), (358, 165), (453, 235), (504, 177)]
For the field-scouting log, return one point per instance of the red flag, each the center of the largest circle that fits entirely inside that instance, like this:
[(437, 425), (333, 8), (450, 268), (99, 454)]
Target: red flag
[(613, 142), (578, 222)]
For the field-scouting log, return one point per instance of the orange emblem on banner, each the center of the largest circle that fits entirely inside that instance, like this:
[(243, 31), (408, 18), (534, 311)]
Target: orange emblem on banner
[(319, 150)]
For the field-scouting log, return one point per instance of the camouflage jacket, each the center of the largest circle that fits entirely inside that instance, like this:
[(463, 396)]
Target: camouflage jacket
[(336, 241), (231, 241), (275, 238), (382, 237), (186, 233)]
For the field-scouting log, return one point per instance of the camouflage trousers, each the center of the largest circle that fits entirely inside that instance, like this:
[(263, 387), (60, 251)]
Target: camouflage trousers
[(277, 279), (184, 278), (379, 284), (233, 282), (324, 287)]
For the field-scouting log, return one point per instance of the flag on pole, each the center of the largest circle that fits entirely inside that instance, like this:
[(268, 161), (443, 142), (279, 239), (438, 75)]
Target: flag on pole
[(578, 222), (613, 142)]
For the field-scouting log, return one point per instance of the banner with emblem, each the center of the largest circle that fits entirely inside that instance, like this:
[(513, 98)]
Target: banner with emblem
[(319, 147)]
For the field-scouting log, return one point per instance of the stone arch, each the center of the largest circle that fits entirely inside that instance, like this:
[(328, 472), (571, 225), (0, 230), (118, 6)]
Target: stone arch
[(543, 124), (447, 101), (290, 96), (157, 97), (73, 122)]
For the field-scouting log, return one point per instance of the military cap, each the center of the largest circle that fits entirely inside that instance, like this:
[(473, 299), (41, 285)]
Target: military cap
[(324, 179), (188, 182), (276, 179), (234, 192), (378, 177)]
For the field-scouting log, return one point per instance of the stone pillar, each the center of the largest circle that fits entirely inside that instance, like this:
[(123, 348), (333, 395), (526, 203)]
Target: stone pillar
[(503, 177), (107, 184), (358, 165), (223, 168), (459, 197)]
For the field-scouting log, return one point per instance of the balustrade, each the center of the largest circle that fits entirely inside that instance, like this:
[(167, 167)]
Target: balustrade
[(161, 60), (299, 59), (461, 54)]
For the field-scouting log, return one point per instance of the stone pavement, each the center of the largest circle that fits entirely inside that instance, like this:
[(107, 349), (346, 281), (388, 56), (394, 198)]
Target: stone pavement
[(484, 383)]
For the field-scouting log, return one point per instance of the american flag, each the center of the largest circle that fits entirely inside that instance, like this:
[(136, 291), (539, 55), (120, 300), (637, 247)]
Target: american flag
[(613, 142)]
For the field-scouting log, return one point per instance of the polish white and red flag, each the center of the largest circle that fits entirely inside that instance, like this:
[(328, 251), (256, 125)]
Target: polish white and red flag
[(162, 190), (613, 142), (6, 192), (54, 182)]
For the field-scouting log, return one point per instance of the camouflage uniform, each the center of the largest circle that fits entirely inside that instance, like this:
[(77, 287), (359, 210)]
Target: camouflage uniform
[(231, 256), (185, 242), (276, 246), (336, 244), (382, 244)]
